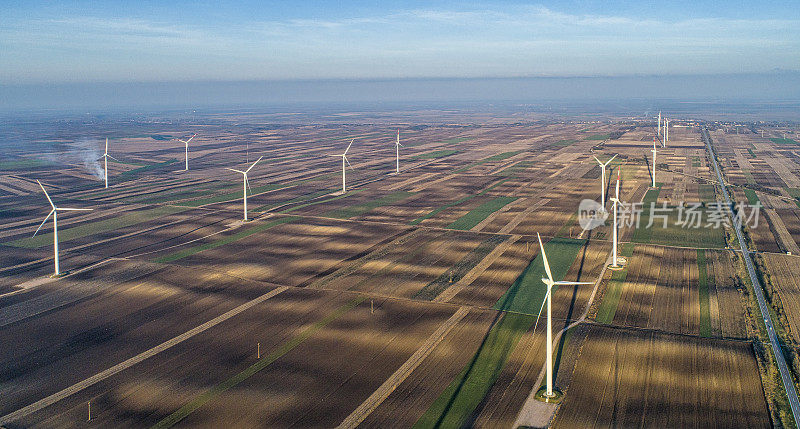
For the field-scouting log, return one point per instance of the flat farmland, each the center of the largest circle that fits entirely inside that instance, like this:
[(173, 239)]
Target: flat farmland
[(783, 274), (322, 355), (101, 317), (638, 378), (678, 290)]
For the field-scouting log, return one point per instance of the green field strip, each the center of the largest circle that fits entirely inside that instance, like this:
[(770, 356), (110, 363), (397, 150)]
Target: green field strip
[(707, 193), (748, 176), (223, 241), (608, 307), (784, 141), (459, 270), (794, 192), (441, 142), (436, 154), (478, 214), (458, 401), (131, 174), (497, 157), (438, 210), (642, 234), (752, 154), (360, 209), (598, 137), (528, 291), (752, 198), (253, 369), (564, 143), (95, 227), (702, 286), (23, 164)]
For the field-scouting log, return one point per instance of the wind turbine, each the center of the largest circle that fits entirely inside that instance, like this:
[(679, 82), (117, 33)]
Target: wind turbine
[(397, 149), (603, 178), (105, 161), (54, 212), (186, 142), (616, 201), (246, 184), (666, 131), (654, 161), (344, 160), (547, 300), (659, 122)]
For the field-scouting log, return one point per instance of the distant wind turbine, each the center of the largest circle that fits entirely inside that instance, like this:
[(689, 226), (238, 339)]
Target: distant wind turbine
[(549, 282), (54, 213), (105, 161), (654, 161), (397, 149), (659, 123), (603, 180), (186, 142), (246, 184), (344, 160)]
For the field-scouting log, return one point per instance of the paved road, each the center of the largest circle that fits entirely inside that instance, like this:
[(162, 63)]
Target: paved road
[(788, 383)]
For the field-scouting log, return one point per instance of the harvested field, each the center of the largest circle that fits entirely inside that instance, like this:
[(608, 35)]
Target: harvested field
[(650, 379), (665, 288)]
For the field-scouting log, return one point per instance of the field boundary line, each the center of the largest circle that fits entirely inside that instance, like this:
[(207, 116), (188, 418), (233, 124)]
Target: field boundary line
[(77, 387), (381, 393), (477, 270)]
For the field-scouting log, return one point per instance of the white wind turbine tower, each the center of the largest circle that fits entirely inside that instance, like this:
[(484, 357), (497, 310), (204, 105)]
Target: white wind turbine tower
[(105, 161), (654, 162), (344, 160), (547, 300), (603, 178), (54, 212), (659, 122), (397, 149), (666, 132), (616, 202), (186, 142), (246, 183)]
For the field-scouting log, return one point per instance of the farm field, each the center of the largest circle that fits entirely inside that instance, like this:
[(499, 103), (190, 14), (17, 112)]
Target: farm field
[(685, 291), (410, 300), (645, 378)]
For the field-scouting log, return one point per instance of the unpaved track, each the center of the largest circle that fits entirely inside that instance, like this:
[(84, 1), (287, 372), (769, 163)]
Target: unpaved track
[(77, 387)]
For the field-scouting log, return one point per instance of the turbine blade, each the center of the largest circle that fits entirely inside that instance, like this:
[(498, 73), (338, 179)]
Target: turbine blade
[(73, 210), (598, 161), (190, 138), (348, 162), (544, 258), (247, 182), (43, 222), (348, 146), (573, 283), (612, 158), (254, 164), (115, 159), (544, 301), (106, 145), (45, 194), (232, 169)]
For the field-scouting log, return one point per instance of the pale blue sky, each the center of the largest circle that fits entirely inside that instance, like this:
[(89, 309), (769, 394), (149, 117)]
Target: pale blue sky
[(60, 42)]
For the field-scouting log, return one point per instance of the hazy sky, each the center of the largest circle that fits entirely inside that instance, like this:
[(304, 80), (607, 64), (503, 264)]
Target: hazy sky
[(115, 41)]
